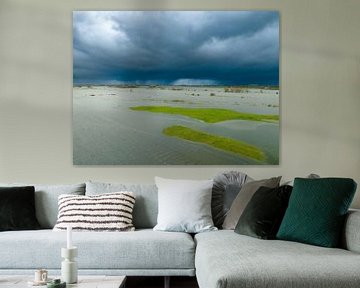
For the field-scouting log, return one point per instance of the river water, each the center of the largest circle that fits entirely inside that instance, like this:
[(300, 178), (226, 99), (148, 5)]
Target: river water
[(107, 132)]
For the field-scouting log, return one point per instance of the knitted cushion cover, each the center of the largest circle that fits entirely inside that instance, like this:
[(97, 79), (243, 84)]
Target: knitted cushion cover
[(105, 212)]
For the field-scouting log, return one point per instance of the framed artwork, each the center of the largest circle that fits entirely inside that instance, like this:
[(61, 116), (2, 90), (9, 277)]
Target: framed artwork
[(176, 88)]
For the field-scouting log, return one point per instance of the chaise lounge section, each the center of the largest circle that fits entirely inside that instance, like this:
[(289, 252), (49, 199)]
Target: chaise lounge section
[(225, 259)]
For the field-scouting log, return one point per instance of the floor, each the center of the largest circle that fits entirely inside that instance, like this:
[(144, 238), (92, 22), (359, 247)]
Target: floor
[(158, 282)]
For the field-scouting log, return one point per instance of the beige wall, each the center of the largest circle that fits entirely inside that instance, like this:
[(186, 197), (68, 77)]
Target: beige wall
[(320, 91)]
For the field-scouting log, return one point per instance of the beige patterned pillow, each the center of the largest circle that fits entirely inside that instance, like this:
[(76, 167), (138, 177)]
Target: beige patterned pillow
[(105, 212)]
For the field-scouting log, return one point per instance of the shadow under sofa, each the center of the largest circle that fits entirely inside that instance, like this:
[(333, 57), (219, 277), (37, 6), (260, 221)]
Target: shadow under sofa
[(220, 259)]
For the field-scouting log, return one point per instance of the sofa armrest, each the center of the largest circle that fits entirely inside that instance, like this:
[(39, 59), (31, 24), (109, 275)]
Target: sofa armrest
[(351, 234)]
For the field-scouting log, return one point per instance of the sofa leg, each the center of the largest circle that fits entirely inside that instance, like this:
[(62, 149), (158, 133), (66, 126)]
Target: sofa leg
[(167, 282)]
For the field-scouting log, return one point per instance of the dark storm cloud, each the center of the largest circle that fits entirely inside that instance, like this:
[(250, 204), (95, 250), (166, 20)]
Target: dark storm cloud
[(237, 47)]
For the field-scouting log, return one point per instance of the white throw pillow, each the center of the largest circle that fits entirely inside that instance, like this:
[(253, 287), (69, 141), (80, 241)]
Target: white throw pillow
[(184, 205)]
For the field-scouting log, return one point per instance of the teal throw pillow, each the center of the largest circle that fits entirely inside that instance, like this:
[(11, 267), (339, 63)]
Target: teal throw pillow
[(316, 211)]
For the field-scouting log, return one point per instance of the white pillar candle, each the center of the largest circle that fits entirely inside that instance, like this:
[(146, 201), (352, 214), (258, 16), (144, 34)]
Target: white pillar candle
[(69, 237)]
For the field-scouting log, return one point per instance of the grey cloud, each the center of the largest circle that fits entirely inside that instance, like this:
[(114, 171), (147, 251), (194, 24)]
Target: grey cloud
[(167, 46)]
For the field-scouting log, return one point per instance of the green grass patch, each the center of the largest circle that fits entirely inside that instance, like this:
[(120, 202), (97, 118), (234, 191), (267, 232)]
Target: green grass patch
[(209, 115), (226, 144)]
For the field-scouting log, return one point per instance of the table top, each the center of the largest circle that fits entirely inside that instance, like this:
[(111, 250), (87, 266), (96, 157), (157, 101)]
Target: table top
[(84, 281)]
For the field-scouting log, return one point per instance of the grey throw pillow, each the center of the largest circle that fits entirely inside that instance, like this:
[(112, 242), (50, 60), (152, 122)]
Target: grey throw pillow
[(226, 187), (184, 205), (242, 199)]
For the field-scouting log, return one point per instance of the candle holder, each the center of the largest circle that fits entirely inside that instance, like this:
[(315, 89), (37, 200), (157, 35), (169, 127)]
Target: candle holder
[(68, 265)]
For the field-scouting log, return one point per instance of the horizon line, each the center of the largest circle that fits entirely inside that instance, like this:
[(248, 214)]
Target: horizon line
[(178, 85)]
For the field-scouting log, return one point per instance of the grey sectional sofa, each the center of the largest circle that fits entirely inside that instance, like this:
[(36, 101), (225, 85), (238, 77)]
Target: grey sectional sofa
[(219, 259)]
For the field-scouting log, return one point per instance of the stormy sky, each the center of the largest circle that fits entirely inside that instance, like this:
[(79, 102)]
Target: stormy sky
[(176, 48)]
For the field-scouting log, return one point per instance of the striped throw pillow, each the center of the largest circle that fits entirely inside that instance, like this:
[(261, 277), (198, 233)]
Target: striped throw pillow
[(105, 212)]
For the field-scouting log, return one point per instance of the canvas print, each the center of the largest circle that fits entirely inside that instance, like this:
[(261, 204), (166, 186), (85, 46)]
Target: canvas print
[(176, 87)]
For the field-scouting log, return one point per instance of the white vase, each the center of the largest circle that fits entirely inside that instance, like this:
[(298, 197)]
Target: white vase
[(69, 269)]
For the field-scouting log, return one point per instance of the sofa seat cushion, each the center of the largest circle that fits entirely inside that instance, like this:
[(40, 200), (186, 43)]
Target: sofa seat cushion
[(225, 259), (142, 249)]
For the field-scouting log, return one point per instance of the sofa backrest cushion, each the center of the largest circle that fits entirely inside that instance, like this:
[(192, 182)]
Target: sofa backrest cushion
[(146, 204), (350, 238), (46, 200)]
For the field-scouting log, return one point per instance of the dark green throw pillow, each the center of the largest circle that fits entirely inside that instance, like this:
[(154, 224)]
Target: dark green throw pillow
[(316, 211), (263, 214), (17, 208)]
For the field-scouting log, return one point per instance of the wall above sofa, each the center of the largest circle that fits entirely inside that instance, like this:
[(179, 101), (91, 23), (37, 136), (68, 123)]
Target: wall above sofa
[(319, 72)]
